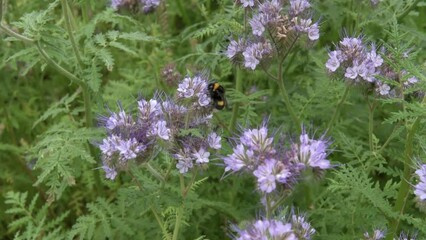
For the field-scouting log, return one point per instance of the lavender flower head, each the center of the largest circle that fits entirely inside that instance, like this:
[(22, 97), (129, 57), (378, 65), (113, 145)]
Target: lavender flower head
[(149, 5), (146, 5), (273, 27), (247, 3), (301, 227), (266, 229), (255, 152), (377, 235), (274, 167), (194, 145), (362, 64), (130, 139), (195, 88), (116, 3), (420, 188), (310, 152), (255, 53), (177, 126), (276, 229)]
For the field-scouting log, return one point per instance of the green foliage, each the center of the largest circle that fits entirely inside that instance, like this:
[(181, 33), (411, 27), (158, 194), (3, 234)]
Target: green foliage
[(57, 79)]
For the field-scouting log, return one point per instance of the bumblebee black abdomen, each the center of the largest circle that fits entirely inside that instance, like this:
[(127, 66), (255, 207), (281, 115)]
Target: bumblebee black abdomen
[(217, 94)]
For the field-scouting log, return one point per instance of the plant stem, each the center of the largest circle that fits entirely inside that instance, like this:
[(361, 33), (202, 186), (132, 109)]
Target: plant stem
[(68, 16), (371, 108), (404, 185), (179, 215), (72, 77), (154, 172), (14, 34), (3, 10), (235, 108), (60, 69), (179, 212), (160, 222), (337, 110), (284, 94)]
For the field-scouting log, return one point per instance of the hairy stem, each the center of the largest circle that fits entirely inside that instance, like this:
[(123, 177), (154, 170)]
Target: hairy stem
[(283, 90), (179, 215), (179, 212), (235, 108), (404, 185), (287, 103), (68, 16), (371, 108), (161, 223), (154, 172), (337, 110), (3, 10), (14, 34)]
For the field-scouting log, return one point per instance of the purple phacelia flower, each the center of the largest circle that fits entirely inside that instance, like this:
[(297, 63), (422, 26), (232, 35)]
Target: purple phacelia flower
[(240, 158), (404, 236), (116, 3), (257, 24), (196, 88), (310, 152), (364, 65), (306, 26), (201, 156), (382, 88), (266, 229), (302, 228), (110, 173), (273, 165), (118, 120), (333, 62), (149, 110), (420, 188), (269, 12), (247, 3), (235, 48), (129, 148), (149, 5), (258, 140), (185, 161), (270, 172), (377, 235), (161, 130), (214, 140), (375, 59), (298, 6), (255, 52)]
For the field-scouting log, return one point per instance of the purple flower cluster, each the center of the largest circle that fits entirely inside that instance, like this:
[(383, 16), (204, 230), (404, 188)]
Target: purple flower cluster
[(146, 5), (195, 88), (272, 27), (377, 235), (361, 64), (130, 138), (296, 228), (256, 153), (420, 188), (194, 151), (181, 123)]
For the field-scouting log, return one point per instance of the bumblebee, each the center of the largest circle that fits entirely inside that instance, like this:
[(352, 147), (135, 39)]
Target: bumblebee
[(217, 94)]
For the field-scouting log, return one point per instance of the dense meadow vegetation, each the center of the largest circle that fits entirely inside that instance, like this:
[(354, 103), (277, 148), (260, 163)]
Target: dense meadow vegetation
[(202, 119)]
